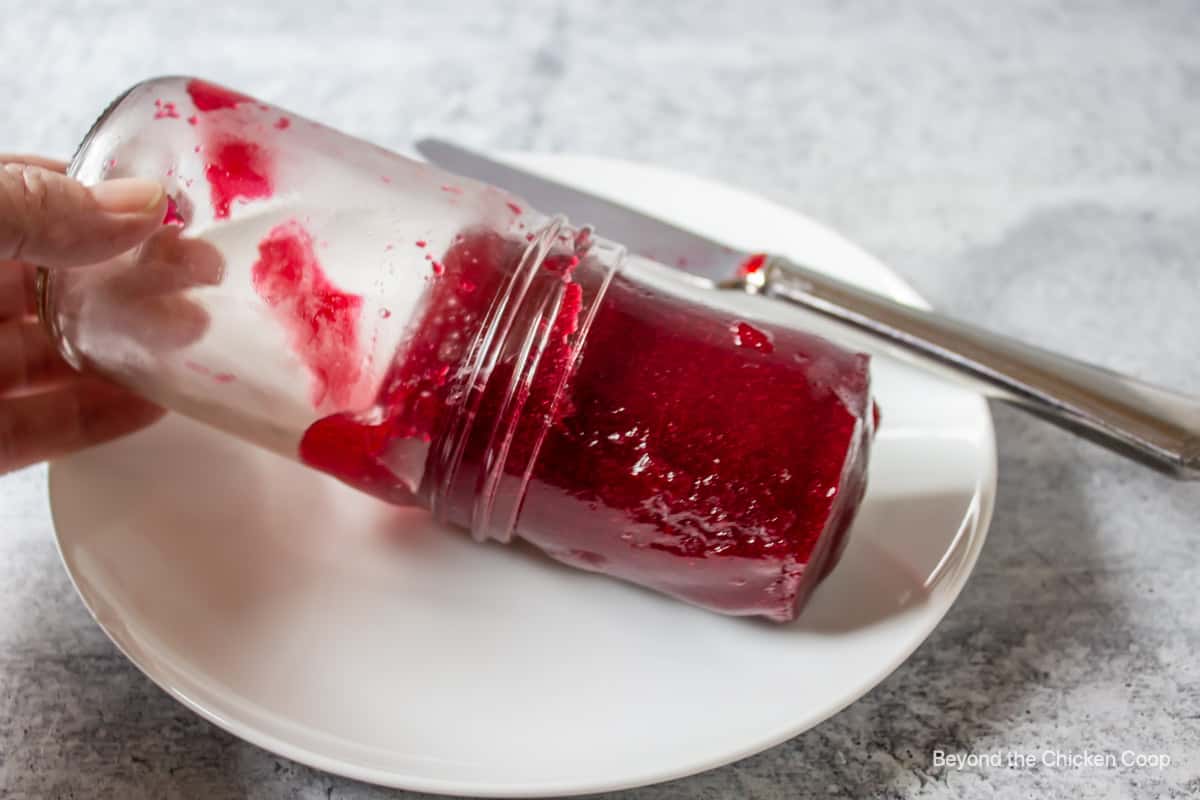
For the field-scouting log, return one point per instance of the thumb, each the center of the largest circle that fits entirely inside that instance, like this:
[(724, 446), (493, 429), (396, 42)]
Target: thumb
[(52, 220)]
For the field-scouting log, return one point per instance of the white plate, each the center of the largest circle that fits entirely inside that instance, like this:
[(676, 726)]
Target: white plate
[(363, 640)]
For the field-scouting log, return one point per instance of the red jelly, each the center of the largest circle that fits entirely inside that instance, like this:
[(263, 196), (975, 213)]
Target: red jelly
[(211, 97), (238, 170), (675, 446), (321, 319)]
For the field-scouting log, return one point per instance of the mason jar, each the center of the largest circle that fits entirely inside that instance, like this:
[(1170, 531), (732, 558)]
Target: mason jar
[(435, 341)]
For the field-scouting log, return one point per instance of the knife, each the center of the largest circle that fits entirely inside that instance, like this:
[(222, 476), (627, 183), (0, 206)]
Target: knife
[(1153, 425)]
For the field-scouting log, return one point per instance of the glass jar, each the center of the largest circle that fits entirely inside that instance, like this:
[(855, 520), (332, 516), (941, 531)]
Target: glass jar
[(434, 341)]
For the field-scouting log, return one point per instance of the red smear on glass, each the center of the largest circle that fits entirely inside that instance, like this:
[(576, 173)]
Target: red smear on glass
[(165, 110), (173, 217), (420, 243), (516, 209), (238, 170), (746, 335), (563, 263), (193, 119), (212, 97), (219, 377), (283, 123), (353, 450), (413, 395), (322, 320)]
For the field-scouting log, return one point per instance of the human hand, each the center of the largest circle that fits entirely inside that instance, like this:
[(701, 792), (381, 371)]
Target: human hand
[(47, 219)]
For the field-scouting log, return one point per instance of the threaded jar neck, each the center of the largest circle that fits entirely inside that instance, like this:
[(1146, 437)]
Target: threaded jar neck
[(511, 383)]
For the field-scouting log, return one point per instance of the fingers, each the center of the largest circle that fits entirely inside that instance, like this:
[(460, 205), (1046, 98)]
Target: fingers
[(52, 164), (17, 295), (147, 299), (27, 357), (170, 262), (157, 323), (54, 221), (84, 412), (46, 218)]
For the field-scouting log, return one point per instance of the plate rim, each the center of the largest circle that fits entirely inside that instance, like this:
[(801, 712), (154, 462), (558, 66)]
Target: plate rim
[(975, 526)]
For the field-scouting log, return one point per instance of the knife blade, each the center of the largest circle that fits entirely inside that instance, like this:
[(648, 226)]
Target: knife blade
[(643, 234)]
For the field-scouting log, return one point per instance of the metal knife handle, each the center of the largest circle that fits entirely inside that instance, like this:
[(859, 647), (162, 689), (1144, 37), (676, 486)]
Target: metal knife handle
[(1153, 425)]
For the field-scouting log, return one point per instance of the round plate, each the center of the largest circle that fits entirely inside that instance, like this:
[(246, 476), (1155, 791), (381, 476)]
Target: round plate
[(364, 640)]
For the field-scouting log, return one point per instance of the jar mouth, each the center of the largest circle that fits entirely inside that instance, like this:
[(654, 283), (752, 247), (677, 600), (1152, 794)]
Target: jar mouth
[(521, 351)]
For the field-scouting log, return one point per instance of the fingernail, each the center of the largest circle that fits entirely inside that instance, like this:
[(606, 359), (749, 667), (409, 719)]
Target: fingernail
[(128, 195)]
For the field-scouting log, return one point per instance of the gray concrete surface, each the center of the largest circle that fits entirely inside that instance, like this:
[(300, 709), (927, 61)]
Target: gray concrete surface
[(1031, 165)]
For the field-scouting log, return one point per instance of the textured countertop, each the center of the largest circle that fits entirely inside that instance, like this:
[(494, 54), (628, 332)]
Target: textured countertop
[(1035, 167)]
